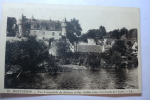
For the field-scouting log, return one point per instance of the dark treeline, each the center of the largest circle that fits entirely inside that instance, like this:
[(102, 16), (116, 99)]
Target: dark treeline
[(27, 55), (11, 26), (121, 54), (98, 34), (94, 34)]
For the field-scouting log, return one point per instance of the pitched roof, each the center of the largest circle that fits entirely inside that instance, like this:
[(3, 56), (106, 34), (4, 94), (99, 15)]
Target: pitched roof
[(89, 48), (48, 24), (107, 47)]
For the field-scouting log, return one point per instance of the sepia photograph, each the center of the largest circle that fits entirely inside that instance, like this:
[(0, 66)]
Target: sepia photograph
[(64, 47)]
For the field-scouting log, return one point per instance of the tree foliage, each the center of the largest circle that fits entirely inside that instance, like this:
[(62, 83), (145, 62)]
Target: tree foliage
[(95, 34), (102, 30), (63, 49), (83, 38), (11, 26), (119, 46), (50, 41), (30, 53), (117, 34), (73, 30), (113, 55)]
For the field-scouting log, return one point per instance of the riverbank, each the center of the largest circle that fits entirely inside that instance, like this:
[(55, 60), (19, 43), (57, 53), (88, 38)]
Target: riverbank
[(77, 79)]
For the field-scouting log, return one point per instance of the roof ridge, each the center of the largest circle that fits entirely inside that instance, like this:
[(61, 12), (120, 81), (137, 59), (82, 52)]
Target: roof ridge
[(49, 20)]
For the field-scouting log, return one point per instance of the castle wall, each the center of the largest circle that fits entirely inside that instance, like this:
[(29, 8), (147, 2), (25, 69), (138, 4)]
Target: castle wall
[(63, 25), (46, 34)]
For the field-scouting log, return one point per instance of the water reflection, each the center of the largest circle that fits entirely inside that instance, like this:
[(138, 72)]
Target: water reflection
[(78, 79), (100, 79)]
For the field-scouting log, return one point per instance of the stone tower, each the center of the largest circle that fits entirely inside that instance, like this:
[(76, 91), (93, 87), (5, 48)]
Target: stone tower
[(63, 25), (21, 25)]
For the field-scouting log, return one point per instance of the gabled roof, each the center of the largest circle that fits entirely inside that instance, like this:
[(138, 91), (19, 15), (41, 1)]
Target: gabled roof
[(89, 48), (40, 24), (107, 47), (49, 24)]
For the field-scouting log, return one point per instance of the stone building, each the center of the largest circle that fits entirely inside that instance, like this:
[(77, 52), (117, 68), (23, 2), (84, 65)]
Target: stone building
[(43, 29), (90, 47)]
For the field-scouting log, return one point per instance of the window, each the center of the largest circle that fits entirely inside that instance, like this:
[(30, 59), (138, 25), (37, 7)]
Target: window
[(47, 28), (26, 33), (59, 34), (43, 33), (53, 33), (34, 26)]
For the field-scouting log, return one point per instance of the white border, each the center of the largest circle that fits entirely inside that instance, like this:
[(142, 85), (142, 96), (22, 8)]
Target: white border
[(5, 9)]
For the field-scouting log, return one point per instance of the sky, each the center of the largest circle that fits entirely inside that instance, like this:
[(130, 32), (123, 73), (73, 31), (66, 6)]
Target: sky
[(90, 17)]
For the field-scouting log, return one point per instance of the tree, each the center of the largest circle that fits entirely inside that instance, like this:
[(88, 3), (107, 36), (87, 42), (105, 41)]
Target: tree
[(94, 61), (123, 31), (50, 41), (73, 30), (63, 49), (117, 34), (76, 27), (11, 26), (83, 38), (119, 46), (130, 44), (113, 55), (94, 34), (102, 30), (29, 53)]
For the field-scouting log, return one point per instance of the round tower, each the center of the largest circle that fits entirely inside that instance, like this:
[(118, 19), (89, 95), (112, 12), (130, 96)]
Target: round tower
[(63, 25), (19, 27)]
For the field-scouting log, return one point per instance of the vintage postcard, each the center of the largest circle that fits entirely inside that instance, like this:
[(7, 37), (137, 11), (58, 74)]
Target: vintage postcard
[(70, 49)]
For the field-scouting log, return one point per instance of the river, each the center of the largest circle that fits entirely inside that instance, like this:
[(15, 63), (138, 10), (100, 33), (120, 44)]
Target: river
[(80, 79)]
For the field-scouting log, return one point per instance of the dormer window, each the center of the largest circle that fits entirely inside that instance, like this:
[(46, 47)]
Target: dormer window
[(53, 33), (59, 34), (43, 33), (34, 26)]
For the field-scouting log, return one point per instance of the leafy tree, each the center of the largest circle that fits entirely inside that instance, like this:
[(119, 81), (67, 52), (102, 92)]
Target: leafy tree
[(70, 33), (94, 61), (83, 38), (132, 34), (11, 26), (117, 34), (119, 46), (63, 49), (50, 41), (76, 27), (129, 43), (115, 58), (73, 30), (29, 53), (95, 34), (102, 30), (52, 66), (113, 55), (123, 31)]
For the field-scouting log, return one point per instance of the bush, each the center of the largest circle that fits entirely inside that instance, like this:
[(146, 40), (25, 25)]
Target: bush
[(29, 53)]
